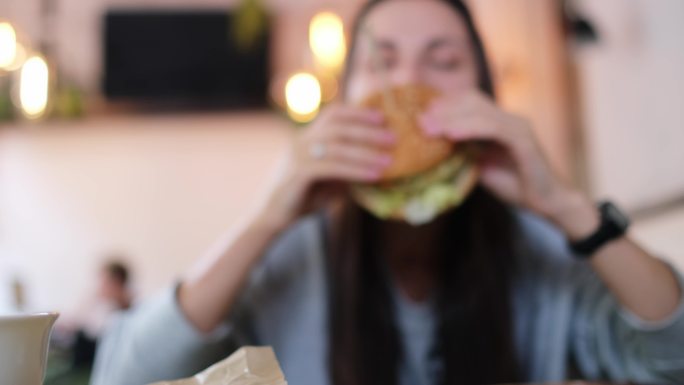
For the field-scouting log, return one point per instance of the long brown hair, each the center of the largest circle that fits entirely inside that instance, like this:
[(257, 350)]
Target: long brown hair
[(474, 339)]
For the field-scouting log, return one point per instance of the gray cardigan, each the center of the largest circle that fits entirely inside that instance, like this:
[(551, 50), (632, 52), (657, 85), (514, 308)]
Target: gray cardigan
[(566, 322)]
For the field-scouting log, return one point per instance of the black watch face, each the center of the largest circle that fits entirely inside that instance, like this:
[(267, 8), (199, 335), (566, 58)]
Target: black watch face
[(616, 216)]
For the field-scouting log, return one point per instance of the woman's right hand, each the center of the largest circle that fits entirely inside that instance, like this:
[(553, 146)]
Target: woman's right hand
[(344, 144)]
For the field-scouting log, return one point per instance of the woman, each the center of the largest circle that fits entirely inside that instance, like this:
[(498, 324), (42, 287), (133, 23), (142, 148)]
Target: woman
[(487, 293)]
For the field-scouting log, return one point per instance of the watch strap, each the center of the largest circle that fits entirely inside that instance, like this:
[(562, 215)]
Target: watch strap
[(609, 229)]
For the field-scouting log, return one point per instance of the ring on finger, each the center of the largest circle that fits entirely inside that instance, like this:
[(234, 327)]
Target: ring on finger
[(318, 150)]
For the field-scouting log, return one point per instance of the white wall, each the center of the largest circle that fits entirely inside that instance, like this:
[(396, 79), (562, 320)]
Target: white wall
[(662, 236), (159, 189), (633, 92)]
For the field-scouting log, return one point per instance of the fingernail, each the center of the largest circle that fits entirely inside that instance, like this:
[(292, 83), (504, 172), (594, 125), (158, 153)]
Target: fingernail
[(429, 125), (377, 117), (389, 137), (385, 160), (372, 175)]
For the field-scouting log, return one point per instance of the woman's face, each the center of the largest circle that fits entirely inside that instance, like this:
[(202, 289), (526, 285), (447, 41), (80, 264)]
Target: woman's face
[(412, 42)]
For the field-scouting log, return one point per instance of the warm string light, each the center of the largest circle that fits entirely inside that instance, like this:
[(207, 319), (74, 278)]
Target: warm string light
[(19, 59), (33, 76), (304, 91), (8, 45), (327, 41), (303, 97), (34, 86)]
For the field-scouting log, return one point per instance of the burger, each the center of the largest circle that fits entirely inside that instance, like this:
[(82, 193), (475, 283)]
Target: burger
[(428, 176)]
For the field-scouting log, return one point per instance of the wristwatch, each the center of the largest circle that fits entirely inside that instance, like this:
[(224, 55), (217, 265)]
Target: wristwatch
[(614, 224)]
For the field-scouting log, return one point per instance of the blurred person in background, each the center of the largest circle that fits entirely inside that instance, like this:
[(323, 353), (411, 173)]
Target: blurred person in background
[(12, 295), (80, 331), (489, 292)]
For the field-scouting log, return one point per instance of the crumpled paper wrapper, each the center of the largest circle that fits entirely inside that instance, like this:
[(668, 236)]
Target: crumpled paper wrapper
[(247, 366)]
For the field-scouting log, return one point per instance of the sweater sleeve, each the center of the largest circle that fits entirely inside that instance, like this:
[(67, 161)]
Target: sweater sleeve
[(155, 341), (605, 340), (610, 342)]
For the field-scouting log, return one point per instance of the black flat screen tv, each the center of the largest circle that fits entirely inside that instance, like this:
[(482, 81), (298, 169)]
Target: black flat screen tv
[(183, 57)]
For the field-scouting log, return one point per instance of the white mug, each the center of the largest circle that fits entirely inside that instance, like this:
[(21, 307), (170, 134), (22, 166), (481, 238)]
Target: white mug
[(24, 340)]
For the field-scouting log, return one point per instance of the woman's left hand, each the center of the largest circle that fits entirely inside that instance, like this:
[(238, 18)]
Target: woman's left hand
[(512, 164)]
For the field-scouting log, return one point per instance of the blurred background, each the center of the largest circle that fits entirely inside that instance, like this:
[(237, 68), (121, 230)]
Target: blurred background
[(140, 128)]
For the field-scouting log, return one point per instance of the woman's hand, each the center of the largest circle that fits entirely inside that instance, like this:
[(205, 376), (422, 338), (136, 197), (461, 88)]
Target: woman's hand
[(344, 144), (512, 165)]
